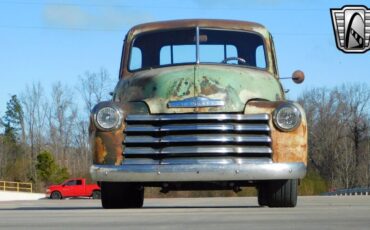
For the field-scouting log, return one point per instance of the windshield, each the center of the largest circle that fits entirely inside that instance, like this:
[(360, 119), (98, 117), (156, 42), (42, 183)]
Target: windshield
[(178, 47)]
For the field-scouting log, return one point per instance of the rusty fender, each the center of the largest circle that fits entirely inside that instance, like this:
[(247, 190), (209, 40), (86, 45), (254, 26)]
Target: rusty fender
[(107, 146), (286, 146)]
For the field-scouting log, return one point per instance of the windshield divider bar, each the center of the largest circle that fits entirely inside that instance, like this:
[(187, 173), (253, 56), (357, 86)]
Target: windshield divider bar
[(197, 44), (225, 50)]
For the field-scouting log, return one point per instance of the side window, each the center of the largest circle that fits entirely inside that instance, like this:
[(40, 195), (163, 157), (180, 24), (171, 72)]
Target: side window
[(165, 55), (136, 58), (71, 183), (260, 57), (79, 182)]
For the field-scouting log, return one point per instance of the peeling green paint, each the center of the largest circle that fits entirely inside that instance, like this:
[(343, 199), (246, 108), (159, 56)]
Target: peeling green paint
[(234, 85)]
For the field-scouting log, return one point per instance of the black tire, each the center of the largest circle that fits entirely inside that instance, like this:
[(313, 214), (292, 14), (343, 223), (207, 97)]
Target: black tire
[(56, 195), (262, 195), (96, 195), (121, 195), (283, 193)]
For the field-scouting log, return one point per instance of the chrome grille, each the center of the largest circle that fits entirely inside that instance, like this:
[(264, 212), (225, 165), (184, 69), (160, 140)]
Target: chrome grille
[(197, 135)]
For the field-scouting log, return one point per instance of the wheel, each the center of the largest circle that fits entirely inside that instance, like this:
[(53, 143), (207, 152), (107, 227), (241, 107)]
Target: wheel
[(56, 195), (282, 193), (121, 195), (262, 195), (96, 194)]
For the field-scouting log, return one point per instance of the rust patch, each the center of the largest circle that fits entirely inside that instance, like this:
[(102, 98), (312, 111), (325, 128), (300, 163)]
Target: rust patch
[(264, 104), (107, 146), (113, 145), (208, 87), (178, 87), (132, 94), (290, 146), (286, 146), (100, 152)]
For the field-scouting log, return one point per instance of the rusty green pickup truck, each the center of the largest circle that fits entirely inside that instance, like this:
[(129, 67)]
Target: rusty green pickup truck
[(198, 106)]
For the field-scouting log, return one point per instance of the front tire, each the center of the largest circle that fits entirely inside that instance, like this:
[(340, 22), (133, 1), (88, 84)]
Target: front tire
[(96, 195), (56, 195), (262, 195), (283, 193), (121, 195)]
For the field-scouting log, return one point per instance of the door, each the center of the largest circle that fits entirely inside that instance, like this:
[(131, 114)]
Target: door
[(73, 188)]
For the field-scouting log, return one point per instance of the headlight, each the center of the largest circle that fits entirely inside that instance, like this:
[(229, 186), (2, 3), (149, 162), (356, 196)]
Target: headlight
[(107, 118), (287, 117)]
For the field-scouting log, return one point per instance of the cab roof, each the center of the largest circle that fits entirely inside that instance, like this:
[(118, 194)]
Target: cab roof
[(189, 23)]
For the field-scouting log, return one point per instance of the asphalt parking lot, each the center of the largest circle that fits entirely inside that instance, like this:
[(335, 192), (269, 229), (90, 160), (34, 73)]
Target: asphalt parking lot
[(189, 213)]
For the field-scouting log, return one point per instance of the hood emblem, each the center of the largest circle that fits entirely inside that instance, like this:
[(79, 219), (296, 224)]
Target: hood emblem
[(194, 102)]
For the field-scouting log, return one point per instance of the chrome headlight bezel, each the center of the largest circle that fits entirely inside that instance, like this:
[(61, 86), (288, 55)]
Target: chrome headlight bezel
[(294, 110), (116, 111)]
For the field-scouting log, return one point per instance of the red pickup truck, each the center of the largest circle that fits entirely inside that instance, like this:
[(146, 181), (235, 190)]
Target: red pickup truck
[(76, 187)]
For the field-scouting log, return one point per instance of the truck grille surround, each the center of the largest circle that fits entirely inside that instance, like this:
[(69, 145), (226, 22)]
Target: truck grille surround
[(197, 135)]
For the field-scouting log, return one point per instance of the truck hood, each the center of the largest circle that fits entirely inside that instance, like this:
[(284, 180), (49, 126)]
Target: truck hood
[(234, 86)]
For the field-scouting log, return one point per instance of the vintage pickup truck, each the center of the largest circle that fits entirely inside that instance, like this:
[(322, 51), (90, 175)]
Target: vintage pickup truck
[(198, 106), (76, 187)]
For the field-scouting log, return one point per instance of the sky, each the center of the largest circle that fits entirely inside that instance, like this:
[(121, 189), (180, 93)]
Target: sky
[(54, 40)]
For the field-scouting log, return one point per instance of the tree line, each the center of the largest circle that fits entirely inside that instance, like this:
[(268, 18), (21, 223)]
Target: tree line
[(339, 134), (44, 138)]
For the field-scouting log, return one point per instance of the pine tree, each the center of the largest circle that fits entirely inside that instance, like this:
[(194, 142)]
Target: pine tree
[(13, 120)]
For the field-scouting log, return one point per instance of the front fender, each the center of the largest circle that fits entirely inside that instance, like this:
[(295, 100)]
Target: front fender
[(286, 146), (106, 146)]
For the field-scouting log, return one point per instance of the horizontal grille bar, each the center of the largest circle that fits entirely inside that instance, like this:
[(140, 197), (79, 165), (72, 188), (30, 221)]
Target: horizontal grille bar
[(199, 117), (197, 127), (197, 135), (199, 150), (198, 138)]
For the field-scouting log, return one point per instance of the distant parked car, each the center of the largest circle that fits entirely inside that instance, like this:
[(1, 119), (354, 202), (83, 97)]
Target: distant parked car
[(76, 187)]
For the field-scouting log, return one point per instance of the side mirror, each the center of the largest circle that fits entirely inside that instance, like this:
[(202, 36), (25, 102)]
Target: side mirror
[(298, 77)]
